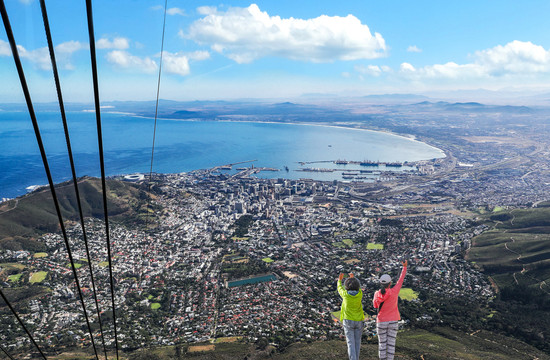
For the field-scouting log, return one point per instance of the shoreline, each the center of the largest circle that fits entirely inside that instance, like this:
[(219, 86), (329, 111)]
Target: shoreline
[(409, 137)]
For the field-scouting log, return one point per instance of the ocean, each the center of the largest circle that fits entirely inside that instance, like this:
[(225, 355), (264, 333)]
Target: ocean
[(183, 146)]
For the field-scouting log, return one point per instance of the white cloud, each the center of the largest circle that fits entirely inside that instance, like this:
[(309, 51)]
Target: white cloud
[(372, 70), (176, 63), (118, 43), (246, 34), (41, 57), (125, 60), (170, 11), (517, 58), (406, 67), (173, 63), (414, 48), (199, 55), (4, 48), (70, 47), (175, 11), (514, 57), (207, 10)]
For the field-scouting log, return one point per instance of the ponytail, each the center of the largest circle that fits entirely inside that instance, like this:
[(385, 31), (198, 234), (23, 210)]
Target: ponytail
[(383, 289)]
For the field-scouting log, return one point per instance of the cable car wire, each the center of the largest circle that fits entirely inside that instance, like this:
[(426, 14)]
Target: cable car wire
[(71, 160), (32, 114), (101, 159), (156, 108)]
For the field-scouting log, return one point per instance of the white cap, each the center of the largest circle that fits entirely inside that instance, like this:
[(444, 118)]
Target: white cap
[(385, 279)]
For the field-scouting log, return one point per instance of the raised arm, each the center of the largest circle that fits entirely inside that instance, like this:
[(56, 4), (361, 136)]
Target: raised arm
[(340, 287), (401, 277)]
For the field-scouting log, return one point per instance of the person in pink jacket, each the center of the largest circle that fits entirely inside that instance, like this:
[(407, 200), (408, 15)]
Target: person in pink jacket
[(385, 300)]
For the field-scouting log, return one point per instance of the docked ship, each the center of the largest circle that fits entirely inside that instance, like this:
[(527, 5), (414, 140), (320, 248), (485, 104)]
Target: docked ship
[(369, 163), (341, 162), (394, 164)]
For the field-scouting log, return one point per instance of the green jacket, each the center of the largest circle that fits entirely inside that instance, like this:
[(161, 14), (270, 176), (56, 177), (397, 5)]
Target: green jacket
[(352, 305)]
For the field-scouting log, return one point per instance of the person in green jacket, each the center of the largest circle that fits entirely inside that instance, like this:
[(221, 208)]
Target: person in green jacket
[(351, 313)]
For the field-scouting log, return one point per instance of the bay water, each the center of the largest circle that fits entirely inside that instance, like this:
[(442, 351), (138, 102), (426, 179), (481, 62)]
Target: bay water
[(183, 146)]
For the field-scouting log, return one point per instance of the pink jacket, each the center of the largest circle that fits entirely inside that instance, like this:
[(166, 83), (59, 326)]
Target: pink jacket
[(389, 311)]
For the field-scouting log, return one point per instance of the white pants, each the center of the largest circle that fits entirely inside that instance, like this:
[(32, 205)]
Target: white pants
[(387, 333)]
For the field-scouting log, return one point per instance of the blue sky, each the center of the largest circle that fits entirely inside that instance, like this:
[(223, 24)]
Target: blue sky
[(281, 49)]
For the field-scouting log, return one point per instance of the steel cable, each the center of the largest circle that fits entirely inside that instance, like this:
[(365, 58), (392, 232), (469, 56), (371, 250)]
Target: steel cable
[(32, 114), (101, 159), (71, 160), (156, 108)]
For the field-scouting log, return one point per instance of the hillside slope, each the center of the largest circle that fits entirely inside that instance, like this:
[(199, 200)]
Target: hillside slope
[(436, 344), (24, 219)]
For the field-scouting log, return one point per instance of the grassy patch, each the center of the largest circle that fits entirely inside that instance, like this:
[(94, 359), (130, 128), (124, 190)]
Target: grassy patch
[(348, 242), (40, 255), (338, 244), (237, 238), (498, 208), (352, 261), (408, 294), (38, 277), (231, 339), (14, 278), (104, 264), (155, 306), (268, 260), (76, 265), (201, 348), (375, 246), (12, 266)]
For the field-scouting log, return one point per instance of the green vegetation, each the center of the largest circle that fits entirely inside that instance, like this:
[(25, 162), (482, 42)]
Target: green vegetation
[(104, 264), (76, 265), (22, 294), (408, 294), (517, 249), (498, 208), (348, 242), (38, 277), (155, 306), (375, 246), (14, 278), (12, 266), (515, 253), (243, 269), (435, 344), (268, 260), (40, 255), (34, 214), (343, 244), (242, 224)]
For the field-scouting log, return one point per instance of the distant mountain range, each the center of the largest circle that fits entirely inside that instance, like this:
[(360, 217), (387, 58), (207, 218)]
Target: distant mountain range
[(476, 107), (277, 111)]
